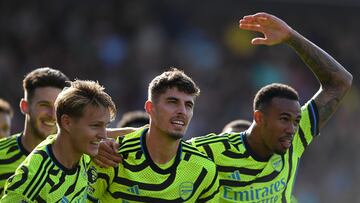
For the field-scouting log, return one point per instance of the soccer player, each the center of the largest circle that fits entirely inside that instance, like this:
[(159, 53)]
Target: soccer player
[(41, 87), (6, 113), (133, 119), (55, 171), (237, 125), (260, 165), (158, 166)]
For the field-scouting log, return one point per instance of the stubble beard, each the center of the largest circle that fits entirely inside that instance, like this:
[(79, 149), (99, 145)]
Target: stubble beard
[(36, 131), (176, 136)]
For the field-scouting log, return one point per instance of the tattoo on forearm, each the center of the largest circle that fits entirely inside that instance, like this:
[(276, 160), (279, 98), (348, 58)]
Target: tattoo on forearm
[(328, 109), (325, 67)]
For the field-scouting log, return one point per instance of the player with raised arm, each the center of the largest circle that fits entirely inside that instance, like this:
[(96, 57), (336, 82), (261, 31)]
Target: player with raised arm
[(259, 165)]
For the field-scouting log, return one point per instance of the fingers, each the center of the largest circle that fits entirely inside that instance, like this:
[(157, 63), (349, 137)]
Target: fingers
[(107, 155), (100, 163), (252, 27), (253, 19), (257, 41), (107, 160), (110, 156), (251, 23), (115, 147)]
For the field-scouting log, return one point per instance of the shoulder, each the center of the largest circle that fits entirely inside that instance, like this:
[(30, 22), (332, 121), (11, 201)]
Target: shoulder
[(49, 140), (192, 154), (131, 142), (9, 144), (209, 139), (191, 150), (12, 137), (310, 117), (38, 159), (213, 140)]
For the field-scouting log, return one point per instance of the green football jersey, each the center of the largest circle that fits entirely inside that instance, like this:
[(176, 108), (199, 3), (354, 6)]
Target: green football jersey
[(12, 154), (41, 178), (189, 177), (244, 177)]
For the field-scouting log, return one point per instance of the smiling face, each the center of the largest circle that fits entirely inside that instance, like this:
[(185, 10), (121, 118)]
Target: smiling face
[(87, 131), (40, 112), (279, 124), (171, 112)]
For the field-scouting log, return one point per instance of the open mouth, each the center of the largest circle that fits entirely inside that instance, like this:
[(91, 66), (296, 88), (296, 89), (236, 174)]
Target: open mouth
[(49, 123), (180, 123), (286, 142), (97, 143)]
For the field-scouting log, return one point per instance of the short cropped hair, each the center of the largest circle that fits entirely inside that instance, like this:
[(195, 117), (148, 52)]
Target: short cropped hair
[(81, 93), (169, 79), (43, 77), (133, 119), (5, 107), (237, 125), (265, 95)]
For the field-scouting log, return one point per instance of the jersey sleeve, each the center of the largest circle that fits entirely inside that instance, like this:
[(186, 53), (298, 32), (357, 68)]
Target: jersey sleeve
[(13, 196), (211, 193), (308, 128), (15, 187), (99, 180)]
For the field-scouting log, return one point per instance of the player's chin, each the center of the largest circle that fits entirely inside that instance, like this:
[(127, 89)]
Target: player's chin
[(177, 135), (281, 151)]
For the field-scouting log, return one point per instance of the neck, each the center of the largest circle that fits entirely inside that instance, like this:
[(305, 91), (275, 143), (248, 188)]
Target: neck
[(256, 143), (162, 148), (28, 139), (64, 151)]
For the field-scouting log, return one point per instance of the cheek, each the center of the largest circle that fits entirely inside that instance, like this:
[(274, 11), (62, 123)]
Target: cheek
[(190, 114)]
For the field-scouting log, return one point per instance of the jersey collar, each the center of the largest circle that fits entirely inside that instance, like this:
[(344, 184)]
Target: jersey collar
[(154, 166)]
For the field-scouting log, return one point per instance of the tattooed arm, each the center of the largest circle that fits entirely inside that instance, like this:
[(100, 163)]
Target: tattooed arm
[(334, 79)]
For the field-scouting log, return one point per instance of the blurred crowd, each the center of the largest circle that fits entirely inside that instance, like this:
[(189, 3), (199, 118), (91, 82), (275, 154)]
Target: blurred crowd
[(124, 44)]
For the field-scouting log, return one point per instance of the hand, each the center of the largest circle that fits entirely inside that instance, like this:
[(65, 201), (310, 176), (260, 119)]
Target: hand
[(108, 154), (274, 29), (115, 132)]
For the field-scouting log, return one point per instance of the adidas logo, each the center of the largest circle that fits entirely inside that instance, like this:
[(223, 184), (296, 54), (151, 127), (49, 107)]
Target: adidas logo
[(235, 175), (135, 190)]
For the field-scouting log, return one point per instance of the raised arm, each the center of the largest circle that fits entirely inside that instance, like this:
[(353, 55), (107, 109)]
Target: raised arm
[(334, 79)]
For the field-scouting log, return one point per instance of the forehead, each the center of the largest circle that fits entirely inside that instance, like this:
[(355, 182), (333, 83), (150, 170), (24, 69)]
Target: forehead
[(95, 113), (175, 93), (45, 94), (283, 105)]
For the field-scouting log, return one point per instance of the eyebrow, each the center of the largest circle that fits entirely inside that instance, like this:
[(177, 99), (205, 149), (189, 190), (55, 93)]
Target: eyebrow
[(289, 115), (44, 102), (171, 98)]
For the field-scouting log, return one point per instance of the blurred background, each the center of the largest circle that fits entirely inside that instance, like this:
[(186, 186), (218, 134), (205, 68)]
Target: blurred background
[(124, 44)]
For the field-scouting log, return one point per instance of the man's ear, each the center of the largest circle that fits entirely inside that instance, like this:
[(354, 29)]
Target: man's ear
[(65, 122), (258, 116), (24, 106), (148, 106)]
